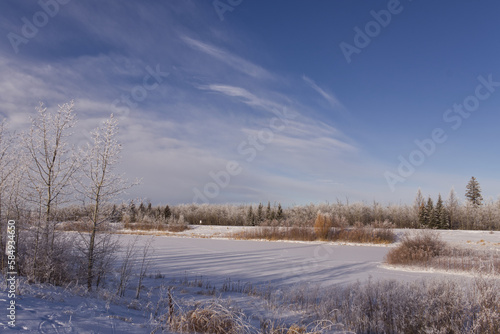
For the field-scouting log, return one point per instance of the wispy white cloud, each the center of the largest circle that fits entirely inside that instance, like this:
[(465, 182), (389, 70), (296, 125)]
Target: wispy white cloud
[(331, 98), (227, 57)]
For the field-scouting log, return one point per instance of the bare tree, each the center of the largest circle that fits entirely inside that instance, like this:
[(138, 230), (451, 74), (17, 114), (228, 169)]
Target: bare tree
[(125, 270), (145, 263), (51, 168), (7, 161), (99, 184), (8, 165)]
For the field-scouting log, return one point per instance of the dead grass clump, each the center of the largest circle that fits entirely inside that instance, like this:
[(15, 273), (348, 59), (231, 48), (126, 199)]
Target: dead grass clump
[(274, 233), (177, 228), (322, 226), (296, 233), (212, 318), (316, 327), (363, 235), (157, 226), (417, 249), (77, 226)]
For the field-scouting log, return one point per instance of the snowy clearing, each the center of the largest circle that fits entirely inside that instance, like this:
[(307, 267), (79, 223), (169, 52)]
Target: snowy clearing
[(201, 259)]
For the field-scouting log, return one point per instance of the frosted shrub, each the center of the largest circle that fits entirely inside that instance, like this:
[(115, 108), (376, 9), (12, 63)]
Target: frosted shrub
[(417, 249)]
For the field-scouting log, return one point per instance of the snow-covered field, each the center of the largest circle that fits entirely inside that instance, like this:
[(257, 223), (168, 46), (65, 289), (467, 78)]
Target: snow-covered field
[(201, 259)]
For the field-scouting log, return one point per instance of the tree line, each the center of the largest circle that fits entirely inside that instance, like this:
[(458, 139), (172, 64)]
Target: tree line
[(449, 213)]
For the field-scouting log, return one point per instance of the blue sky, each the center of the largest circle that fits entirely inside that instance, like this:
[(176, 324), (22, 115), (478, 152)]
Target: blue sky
[(248, 101)]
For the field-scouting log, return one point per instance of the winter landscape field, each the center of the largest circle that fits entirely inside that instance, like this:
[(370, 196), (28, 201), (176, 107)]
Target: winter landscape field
[(260, 286)]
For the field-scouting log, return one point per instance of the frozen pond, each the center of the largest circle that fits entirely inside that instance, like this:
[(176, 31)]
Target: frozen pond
[(263, 262)]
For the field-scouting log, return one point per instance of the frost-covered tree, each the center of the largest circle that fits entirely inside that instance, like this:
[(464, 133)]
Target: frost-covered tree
[(8, 166), (99, 184), (7, 162), (419, 200), (473, 193), (49, 173), (452, 206)]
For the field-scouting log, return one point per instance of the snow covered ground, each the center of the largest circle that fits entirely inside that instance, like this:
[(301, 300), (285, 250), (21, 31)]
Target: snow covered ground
[(205, 256)]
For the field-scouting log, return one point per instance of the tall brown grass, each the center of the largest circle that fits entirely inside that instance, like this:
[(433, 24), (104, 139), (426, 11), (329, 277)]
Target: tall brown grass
[(360, 234)]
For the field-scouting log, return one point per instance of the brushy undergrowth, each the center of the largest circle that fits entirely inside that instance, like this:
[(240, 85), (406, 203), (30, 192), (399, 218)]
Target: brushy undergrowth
[(470, 306), (419, 307)]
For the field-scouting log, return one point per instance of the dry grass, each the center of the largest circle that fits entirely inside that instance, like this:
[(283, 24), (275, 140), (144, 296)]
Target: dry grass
[(322, 226), (77, 226), (159, 226), (363, 235), (213, 318), (277, 233), (354, 234)]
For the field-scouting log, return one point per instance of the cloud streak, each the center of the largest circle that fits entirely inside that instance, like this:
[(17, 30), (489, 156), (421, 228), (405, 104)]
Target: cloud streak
[(236, 62)]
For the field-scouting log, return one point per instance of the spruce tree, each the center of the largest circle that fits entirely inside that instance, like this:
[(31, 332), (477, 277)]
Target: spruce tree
[(423, 219), (279, 213), (132, 212), (440, 215), (250, 216), (452, 205), (429, 210), (473, 193), (166, 212), (259, 213), (269, 214)]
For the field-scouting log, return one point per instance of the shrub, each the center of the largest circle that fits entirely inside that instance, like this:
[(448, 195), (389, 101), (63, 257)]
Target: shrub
[(417, 249)]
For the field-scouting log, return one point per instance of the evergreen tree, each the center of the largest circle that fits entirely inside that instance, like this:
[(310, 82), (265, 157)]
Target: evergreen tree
[(452, 205), (132, 211), (423, 218), (440, 215), (259, 213), (429, 209), (279, 213), (473, 193), (269, 213), (250, 216), (166, 212)]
